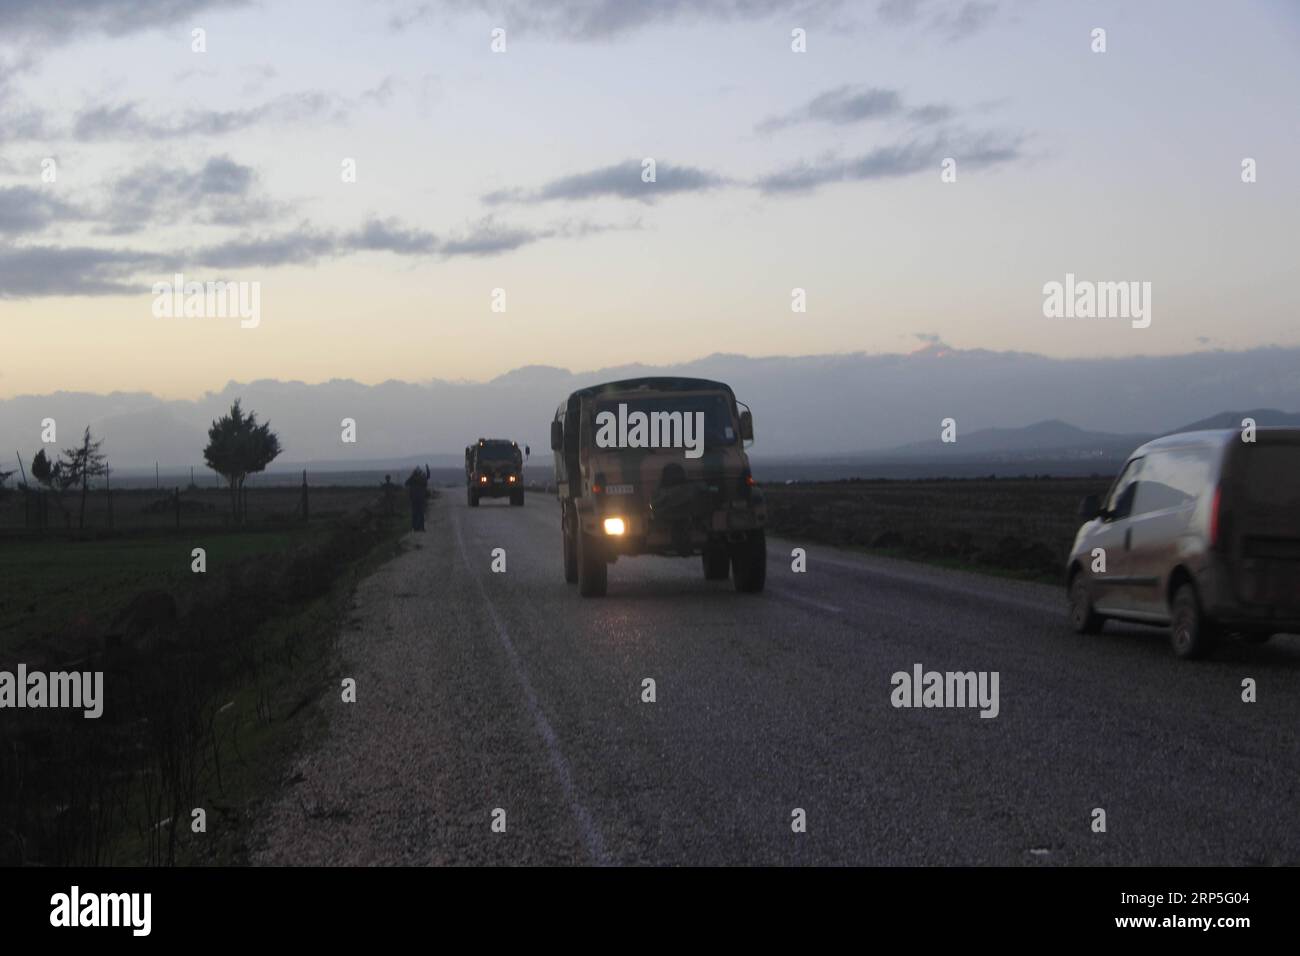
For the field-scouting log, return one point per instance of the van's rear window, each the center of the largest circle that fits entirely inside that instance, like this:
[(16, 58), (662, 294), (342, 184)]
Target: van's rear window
[(1271, 474)]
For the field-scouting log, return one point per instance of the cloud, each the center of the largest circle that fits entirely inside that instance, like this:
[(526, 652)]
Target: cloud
[(26, 123), (846, 105), (599, 20), (609, 19), (621, 180), (899, 12), (222, 192), (967, 20), (487, 238), (840, 106), (49, 22), (389, 236), (26, 210), (931, 113), (306, 245), (30, 271), (885, 162), (382, 94), (302, 246), (124, 121), (951, 19)]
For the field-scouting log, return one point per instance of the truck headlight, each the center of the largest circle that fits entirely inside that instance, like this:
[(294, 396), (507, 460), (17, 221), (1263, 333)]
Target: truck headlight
[(614, 526)]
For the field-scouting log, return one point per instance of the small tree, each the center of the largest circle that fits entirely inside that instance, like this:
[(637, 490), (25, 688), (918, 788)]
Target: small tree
[(80, 464), (238, 447), (54, 478)]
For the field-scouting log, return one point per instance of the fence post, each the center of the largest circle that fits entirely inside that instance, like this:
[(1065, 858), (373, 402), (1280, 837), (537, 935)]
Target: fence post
[(305, 512), (178, 508), (108, 487)]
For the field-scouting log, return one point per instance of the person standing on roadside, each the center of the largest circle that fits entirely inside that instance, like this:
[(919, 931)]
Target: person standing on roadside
[(417, 489)]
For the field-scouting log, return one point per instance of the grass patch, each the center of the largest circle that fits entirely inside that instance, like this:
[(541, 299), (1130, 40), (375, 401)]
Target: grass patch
[(201, 711), (54, 589)]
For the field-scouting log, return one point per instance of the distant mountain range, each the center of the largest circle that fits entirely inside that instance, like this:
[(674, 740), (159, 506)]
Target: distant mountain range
[(855, 407), (1057, 440)]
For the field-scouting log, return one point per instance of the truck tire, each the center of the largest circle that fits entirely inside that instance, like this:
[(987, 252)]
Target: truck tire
[(593, 572), (570, 552), (749, 563), (1191, 633), (517, 499), (717, 564)]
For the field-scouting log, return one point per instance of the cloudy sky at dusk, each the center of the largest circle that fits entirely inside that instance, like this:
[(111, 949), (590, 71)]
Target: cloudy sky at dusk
[(521, 171)]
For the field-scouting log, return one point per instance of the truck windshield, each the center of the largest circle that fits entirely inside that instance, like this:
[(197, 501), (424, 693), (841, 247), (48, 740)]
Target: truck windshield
[(719, 427), (497, 453)]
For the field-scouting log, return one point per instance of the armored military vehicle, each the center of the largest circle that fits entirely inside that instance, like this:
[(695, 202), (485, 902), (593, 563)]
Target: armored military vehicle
[(658, 466), (494, 468)]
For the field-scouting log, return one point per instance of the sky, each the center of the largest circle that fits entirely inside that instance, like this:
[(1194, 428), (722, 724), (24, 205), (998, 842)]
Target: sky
[(521, 171)]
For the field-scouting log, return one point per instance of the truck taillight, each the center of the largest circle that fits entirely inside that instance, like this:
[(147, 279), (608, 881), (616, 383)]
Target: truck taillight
[(747, 483)]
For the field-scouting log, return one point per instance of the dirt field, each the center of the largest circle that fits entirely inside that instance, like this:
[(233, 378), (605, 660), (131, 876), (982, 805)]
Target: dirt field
[(1019, 526)]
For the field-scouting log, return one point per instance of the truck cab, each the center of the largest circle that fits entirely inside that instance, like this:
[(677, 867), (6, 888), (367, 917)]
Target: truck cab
[(658, 466), (494, 468)]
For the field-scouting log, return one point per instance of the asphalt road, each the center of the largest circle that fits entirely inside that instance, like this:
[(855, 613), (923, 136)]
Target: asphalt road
[(481, 690)]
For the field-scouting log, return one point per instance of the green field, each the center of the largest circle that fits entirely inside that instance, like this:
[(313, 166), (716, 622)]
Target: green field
[(202, 709), (59, 590)]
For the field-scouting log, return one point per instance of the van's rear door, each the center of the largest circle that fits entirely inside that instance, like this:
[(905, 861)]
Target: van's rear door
[(1261, 518)]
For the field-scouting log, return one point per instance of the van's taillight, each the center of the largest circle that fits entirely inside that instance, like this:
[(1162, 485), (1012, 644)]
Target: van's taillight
[(1214, 517)]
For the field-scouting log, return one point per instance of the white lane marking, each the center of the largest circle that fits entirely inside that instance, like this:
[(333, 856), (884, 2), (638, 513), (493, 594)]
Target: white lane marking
[(586, 825), (799, 599)]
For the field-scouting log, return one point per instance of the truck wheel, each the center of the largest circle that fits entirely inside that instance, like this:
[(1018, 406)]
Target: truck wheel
[(570, 552), (517, 499), (1191, 633), (717, 564), (1083, 618), (593, 572), (749, 563)]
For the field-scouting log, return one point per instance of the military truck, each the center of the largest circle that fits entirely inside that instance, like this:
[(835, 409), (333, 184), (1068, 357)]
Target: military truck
[(494, 468), (624, 490)]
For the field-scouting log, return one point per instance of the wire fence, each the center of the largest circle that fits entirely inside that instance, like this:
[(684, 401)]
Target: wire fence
[(25, 511)]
